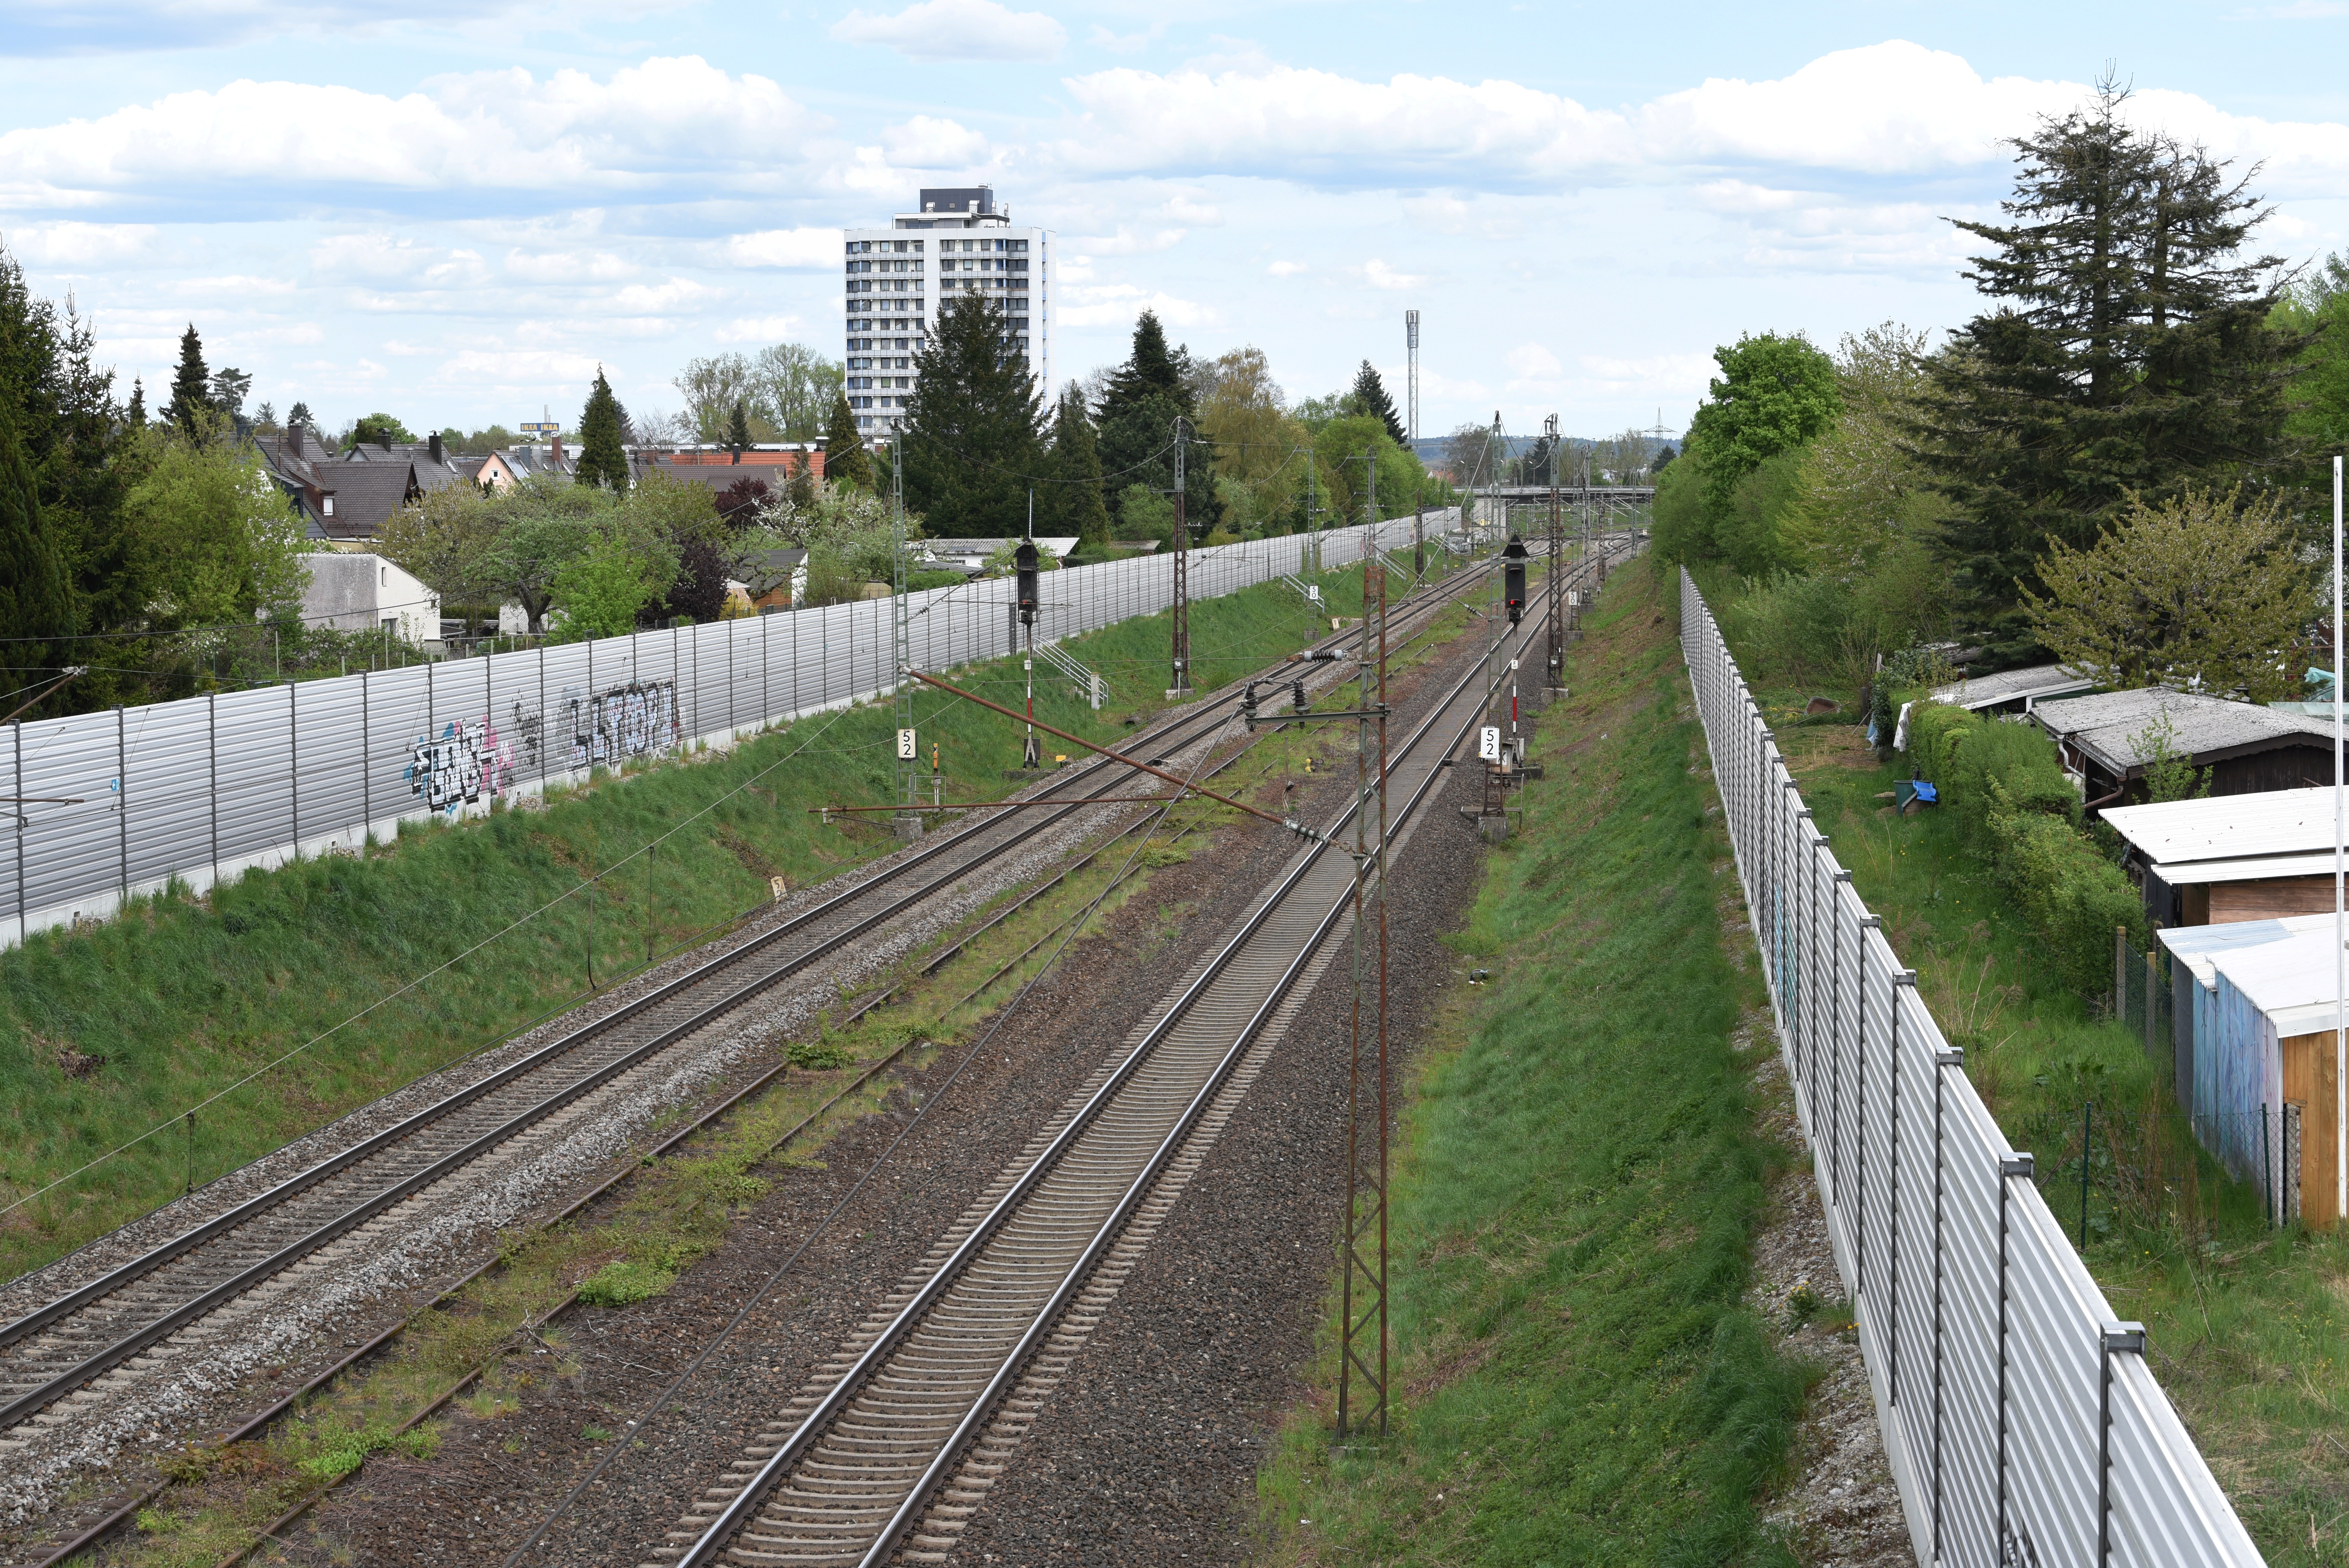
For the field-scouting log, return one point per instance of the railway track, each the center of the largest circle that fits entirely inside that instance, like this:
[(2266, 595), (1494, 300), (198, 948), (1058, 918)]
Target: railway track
[(851, 1467), (137, 1313)]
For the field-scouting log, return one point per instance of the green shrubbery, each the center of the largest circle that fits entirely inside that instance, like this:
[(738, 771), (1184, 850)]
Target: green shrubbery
[(2018, 812)]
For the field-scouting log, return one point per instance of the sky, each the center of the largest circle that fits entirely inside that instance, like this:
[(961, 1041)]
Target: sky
[(454, 211)]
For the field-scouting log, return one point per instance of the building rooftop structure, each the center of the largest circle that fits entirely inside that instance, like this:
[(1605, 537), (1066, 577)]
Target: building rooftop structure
[(2014, 688), (2107, 739)]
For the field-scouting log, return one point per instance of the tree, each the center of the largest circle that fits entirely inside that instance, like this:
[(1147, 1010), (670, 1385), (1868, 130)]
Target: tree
[(192, 386), (1136, 419), (2202, 589), (36, 591), (1369, 396), (230, 387), (739, 504), (74, 439), (1862, 489), (713, 387), (1664, 455), (738, 427), (602, 459), (1255, 443), (845, 460), (972, 441), (135, 415), (602, 589), (1073, 503), (2128, 354), (217, 539), (1772, 394), (1347, 450), (300, 414), (379, 430), (795, 386), (1474, 456)]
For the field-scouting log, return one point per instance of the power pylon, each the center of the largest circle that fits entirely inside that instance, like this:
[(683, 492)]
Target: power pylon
[(1181, 687)]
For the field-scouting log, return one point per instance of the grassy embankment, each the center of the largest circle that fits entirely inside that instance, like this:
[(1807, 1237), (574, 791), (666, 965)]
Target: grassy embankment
[(1576, 1186), (427, 949), (673, 1213), (2249, 1327)]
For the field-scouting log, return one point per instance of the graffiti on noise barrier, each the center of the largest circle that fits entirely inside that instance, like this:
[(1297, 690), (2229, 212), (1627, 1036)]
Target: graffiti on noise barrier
[(469, 760), (610, 727)]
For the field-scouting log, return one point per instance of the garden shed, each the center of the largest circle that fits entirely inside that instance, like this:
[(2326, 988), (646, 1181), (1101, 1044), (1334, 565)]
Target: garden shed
[(2254, 1037), (2107, 741), (2232, 857), (2013, 691)]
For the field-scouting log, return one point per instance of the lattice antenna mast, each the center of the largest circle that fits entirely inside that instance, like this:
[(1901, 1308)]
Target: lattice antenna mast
[(1362, 1306), (1410, 342)]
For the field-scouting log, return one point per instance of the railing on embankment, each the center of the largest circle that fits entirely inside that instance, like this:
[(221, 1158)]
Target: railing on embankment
[(110, 806), (2021, 1422)]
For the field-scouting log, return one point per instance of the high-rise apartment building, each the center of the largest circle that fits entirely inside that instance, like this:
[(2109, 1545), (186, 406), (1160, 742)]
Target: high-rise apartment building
[(899, 277)]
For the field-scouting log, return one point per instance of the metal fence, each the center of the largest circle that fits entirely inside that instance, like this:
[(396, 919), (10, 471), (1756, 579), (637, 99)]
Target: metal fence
[(111, 805), (2021, 1422)]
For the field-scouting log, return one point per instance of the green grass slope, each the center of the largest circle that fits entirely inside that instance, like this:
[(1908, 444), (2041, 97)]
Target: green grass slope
[(1577, 1188), (377, 969)]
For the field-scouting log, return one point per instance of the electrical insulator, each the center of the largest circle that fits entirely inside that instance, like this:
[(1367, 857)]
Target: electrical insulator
[(1513, 577), (1024, 559)]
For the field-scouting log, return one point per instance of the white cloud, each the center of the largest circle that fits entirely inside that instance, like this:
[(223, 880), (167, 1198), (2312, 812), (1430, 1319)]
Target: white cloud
[(1116, 304), (661, 299), (490, 130), (816, 248), (926, 143), (1126, 242), (957, 30), (568, 266), (71, 244), (1198, 214), (1125, 43), (1531, 362), (1890, 110), (538, 370), (385, 261), (761, 329), (1288, 269), (1379, 275)]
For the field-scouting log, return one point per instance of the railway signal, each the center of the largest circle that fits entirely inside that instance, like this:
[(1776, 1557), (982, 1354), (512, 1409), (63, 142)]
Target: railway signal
[(1512, 568)]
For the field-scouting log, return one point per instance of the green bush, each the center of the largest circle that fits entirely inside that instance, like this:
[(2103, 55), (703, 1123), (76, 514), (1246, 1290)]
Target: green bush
[(2017, 812), (624, 1280)]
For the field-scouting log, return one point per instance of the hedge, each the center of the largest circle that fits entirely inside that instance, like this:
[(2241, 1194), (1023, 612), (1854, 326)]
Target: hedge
[(2017, 813)]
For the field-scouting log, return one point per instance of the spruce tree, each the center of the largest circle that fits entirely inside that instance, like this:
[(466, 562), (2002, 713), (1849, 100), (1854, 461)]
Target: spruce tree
[(602, 460), (737, 426), (1369, 396), (2126, 353), (845, 460), (1136, 423), (300, 414), (36, 599), (972, 441), (191, 387), (1072, 502), (135, 415)]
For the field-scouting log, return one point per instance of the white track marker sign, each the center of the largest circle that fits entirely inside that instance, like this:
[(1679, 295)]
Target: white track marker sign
[(1488, 743), (909, 748)]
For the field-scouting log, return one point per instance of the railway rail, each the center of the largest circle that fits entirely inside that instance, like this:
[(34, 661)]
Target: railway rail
[(850, 1469), (132, 1312)]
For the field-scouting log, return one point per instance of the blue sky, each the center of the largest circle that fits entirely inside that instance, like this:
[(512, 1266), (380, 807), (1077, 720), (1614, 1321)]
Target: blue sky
[(453, 212)]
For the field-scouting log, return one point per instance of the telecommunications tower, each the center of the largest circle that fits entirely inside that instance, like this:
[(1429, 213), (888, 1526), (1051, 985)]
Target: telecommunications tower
[(1411, 341)]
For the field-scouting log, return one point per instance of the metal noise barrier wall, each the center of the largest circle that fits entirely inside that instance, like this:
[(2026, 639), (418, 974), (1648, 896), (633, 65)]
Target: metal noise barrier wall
[(111, 805), (2021, 1422)]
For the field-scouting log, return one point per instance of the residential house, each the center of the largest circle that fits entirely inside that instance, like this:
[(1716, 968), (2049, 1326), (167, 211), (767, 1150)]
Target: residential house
[(436, 467), (351, 592), (343, 504), (2107, 740)]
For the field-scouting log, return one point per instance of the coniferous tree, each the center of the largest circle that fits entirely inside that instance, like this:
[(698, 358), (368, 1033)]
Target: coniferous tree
[(299, 414), (37, 598), (1136, 423), (191, 387), (2126, 355), (1072, 502), (972, 441), (737, 426), (602, 460), (845, 460), (71, 431), (135, 415), (1369, 396)]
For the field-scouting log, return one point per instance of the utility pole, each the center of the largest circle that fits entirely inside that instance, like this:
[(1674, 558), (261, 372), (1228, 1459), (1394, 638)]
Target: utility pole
[(901, 626), (1556, 617), (1362, 1308), (1181, 628)]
